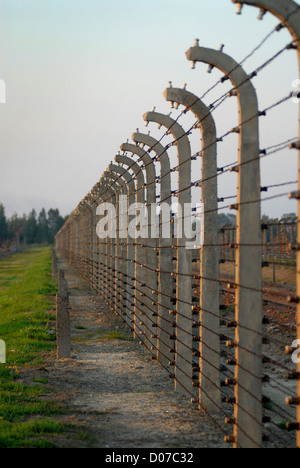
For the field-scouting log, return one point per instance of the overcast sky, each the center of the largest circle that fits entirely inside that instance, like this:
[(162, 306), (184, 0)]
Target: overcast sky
[(80, 74)]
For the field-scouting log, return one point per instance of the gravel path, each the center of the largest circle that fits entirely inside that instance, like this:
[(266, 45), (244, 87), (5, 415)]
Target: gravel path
[(112, 386)]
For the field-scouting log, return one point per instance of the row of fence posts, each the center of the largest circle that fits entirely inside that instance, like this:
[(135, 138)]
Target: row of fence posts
[(151, 280)]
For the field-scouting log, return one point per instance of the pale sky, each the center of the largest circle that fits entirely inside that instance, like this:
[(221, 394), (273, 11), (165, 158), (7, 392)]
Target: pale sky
[(80, 74)]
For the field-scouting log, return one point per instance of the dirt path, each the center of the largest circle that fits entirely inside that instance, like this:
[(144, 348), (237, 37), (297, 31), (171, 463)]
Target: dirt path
[(113, 388)]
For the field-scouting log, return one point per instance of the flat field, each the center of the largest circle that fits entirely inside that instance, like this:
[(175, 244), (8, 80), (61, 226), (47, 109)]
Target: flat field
[(28, 415)]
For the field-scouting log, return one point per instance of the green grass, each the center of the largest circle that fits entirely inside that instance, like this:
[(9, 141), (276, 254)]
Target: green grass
[(79, 327), (30, 434), (18, 400), (101, 335), (27, 306), (113, 335), (26, 295)]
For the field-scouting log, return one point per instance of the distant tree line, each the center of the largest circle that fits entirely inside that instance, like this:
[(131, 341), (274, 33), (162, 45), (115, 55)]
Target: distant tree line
[(30, 229)]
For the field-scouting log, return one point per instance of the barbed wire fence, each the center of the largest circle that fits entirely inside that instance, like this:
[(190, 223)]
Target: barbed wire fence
[(208, 314)]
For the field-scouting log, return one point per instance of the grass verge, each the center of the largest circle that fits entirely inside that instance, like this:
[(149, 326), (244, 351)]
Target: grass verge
[(27, 308)]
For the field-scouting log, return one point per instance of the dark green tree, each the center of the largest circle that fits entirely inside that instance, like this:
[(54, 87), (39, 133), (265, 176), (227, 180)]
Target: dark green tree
[(3, 224), (43, 228), (31, 228), (55, 222)]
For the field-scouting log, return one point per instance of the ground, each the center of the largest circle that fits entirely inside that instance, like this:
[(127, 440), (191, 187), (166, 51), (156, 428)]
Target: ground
[(114, 391), (117, 397)]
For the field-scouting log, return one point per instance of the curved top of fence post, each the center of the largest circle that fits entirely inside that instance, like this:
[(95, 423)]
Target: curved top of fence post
[(118, 173), (94, 193), (85, 203), (248, 117), (125, 176), (287, 11), (162, 157), (173, 127), (233, 71), (184, 152), (209, 145), (148, 166), (154, 145), (114, 184), (136, 169), (201, 111), (105, 189), (119, 182)]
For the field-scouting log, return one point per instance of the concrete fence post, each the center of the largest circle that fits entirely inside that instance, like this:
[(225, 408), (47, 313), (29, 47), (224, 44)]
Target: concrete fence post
[(101, 251), (128, 266), (85, 233), (140, 310), (83, 240), (92, 242), (165, 253), (209, 320), (249, 308), (110, 196), (102, 257), (118, 251), (149, 247), (184, 331), (89, 240), (95, 249), (98, 243), (127, 250), (288, 12)]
